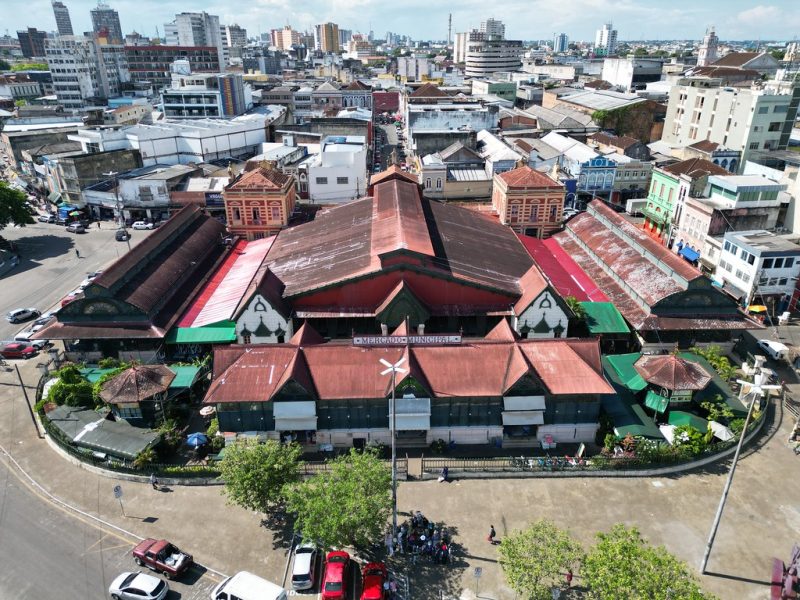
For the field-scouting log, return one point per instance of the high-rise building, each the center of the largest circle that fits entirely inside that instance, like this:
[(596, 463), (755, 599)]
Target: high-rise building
[(85, 72), (326, 37), (235, 36), (708, 49), (485, 57), (493, 28), (31, 42), (560, 43), (605, 41), (284, 39), (105, 23), (63, 22), (344, 37), (151, 64), (196, 29), (461, 42)]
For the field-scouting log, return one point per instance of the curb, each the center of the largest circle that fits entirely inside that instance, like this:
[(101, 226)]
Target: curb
[(66, 505)]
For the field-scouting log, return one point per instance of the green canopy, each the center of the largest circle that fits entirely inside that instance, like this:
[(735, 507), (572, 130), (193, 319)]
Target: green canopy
[(92, 375), (656, 401), (619, 368), (603, 317), (185, 376), (678, 418), (218, 333), (628, 416)]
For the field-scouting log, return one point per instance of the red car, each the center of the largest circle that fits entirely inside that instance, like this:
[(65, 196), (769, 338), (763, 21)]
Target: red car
[(18, 351), (334, 580), (162, 557), (373, 576)]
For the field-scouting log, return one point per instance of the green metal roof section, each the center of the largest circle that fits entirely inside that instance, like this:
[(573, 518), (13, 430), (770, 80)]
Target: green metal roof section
[(185, 376), (92, 375), (603, 317), (628, 416), (656, 401), (619, 368), (678, 418), (223, 332)]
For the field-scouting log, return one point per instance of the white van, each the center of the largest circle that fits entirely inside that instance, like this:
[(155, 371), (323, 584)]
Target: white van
[(246, 586), (775, 350)]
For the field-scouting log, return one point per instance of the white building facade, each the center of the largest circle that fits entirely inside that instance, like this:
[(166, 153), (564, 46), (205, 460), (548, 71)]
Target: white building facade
[(338, 174)]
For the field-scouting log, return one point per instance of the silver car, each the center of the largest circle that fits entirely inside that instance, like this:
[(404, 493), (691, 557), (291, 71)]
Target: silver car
[(304, 568), (138, 586)]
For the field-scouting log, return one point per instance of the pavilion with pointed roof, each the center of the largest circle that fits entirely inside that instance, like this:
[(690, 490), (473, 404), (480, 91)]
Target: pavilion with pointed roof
[(137, 393), (671, 379)]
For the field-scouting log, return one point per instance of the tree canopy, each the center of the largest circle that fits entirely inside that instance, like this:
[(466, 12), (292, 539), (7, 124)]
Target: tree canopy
[(4, 65), (537, 558), (13, 210), (256, 475), (358, 486), (623, 565)]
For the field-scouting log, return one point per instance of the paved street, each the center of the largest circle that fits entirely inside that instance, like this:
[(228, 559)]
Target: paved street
[(47, 552), (761, 520), (50, 269)]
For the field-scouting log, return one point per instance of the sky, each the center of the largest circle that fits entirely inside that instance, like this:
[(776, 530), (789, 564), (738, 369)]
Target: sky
[(427, 19)]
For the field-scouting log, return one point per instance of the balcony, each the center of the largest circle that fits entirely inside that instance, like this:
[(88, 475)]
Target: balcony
[(655, 217)]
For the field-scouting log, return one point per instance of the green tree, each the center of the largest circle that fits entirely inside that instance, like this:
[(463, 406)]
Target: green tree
[(256, 474), (717, 409), (4, 65), (535, 559), (778, 54), (623, 565), (71, 388), (13, 209), (359, 485), (576, 307), (720, 363)]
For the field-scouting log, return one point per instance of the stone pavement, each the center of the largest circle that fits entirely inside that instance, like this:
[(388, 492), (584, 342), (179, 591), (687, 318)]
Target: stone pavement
[(761, 520)]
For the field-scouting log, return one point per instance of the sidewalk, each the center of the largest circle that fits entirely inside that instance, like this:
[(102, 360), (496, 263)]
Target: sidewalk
[(760, 521)]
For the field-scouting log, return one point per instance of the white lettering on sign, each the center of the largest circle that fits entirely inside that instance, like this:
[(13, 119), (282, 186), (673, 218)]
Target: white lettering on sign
[(402, 340)]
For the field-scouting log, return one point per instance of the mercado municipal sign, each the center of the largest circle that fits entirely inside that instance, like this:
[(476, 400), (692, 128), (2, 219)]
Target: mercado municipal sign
[(403, 340)]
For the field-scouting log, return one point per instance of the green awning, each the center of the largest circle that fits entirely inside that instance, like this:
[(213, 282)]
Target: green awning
[(619, 368), (92, 375), (185, 376), (628, 416), (219, 333), (656, 401), (603, 317), (678, 418)]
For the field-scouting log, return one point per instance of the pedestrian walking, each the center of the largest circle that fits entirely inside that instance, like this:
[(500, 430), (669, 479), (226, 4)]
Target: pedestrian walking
[(492, 534), (77, 254), (153, 481), (389, 543), (393, 588), (569, 578), (98, 224)]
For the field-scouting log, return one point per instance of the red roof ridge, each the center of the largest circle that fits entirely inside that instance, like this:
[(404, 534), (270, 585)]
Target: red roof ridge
[(260, 177), (502, 332), (306, 335), (525, 176)]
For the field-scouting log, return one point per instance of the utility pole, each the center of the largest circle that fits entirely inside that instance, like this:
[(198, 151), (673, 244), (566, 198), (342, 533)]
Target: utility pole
[(120, 219), (449, 28), (28, 402), (393, 369)]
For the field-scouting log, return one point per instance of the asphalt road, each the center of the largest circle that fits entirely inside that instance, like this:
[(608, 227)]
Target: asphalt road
[(50, 268), (47, 552)]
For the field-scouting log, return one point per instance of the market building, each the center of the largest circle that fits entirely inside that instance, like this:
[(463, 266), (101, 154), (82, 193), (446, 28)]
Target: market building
[(499, 389)]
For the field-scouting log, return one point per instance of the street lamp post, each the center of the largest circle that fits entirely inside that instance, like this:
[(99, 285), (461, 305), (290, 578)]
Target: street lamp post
[(393, 369), (118, 203)]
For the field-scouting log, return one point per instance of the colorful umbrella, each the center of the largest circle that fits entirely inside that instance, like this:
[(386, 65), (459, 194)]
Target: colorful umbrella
[(195, 440)]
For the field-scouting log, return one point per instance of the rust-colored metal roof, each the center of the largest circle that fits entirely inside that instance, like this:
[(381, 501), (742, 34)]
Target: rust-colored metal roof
[(392, 172), (525, 177), (346, 242), (533, 283), (259, 179), (705, 145), (672, 372), (306, 336), (356, 85), (337, 371), (428, 90), (568, 366), (398, 222), (56, 330), (502, 332), (735, 59), (617, 141), (138, 383)]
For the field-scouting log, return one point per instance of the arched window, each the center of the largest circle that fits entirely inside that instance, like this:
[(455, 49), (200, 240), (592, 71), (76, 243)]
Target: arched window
[(439, 183), (428, 183)]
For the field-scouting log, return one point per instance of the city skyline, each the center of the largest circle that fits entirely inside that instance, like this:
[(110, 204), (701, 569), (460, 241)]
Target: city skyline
[(579, 19)]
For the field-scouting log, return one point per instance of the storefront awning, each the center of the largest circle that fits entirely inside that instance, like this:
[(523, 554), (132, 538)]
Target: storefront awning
[(523, 417), (220, 333), (293, 410), (523, 403), (298, 424), (689, 254), (655, 401), (413, 414)]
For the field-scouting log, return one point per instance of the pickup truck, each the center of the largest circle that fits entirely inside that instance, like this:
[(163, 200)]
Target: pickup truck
[(162, 557)]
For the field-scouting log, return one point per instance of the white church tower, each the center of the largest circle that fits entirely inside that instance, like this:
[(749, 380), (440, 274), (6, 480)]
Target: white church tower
[(708, 49)]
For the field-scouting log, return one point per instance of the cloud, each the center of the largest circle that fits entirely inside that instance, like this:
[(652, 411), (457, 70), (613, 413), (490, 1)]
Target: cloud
[(759, 14)]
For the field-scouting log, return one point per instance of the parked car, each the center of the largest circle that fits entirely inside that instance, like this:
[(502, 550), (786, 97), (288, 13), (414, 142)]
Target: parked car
[(73, 295), (246, 586), (304, 567), (138, 586), (46, 218), (122, 235), (334, 580), (38, 345), (18, 350), (373, 576), (775, 350), (142, 225), (76, 227), (162, 557), (18, 315), (44, 319)]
